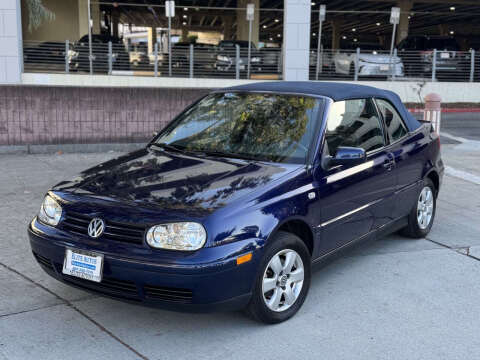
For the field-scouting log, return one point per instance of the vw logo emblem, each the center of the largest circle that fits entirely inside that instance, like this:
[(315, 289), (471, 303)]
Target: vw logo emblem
[(96, 227)]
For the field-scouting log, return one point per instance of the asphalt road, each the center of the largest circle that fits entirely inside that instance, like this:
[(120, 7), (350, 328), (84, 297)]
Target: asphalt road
[(394, 299), (465, 125)]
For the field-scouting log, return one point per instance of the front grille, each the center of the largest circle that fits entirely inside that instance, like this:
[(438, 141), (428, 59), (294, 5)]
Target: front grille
[(43, 261), (78, 224), (168, 294), (108, 286)]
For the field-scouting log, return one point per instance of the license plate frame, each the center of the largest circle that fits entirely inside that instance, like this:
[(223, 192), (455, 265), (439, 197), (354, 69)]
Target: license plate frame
[(80, 264)]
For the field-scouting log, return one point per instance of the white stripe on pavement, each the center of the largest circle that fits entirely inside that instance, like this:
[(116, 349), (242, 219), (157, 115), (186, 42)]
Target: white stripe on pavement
[(462, 175)]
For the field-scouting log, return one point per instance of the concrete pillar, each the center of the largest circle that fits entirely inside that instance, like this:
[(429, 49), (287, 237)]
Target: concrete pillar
[(402, 30), (227, 27), (382, 40), (184, 34), (443, 29), (152, 39), (83, 18), (242, 23), (96, 18), (296, 39), (115, 20), (336, 32), (11, 62)]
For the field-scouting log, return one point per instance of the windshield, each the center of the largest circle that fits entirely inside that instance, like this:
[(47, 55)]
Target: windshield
[(267, 127)]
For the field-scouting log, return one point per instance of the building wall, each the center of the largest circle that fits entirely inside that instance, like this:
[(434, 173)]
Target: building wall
[(71, 21), (296, 39), (71, 115), (64, 27), (10, 42)]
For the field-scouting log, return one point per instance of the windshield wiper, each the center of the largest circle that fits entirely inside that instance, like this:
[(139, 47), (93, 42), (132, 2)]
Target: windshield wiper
[(227, 154), (169, 147)]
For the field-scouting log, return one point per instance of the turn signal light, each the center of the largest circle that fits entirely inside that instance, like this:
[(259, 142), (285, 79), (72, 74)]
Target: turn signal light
[(244, 258)]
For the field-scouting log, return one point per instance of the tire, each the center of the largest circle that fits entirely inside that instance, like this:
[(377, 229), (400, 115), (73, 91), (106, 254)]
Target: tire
[(416, 227), (284, 245)]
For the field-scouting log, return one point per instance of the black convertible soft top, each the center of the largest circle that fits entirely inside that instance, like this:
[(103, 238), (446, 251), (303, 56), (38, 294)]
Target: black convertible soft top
[(333, 90)]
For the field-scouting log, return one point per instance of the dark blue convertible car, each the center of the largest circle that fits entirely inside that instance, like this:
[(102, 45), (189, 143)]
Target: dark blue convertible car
[(231, 204)]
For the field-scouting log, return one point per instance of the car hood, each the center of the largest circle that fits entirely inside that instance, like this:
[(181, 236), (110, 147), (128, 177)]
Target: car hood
[(174, 182)]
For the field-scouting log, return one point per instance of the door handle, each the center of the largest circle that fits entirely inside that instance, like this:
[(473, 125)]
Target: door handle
[(388, 164)]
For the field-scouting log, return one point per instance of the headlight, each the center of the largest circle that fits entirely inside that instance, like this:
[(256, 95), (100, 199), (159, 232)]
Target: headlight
[(255, 59), (50, 211), (223, 58), (185, 236)]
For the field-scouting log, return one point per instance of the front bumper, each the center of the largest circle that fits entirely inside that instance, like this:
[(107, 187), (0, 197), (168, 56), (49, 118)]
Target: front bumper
[(373, 69), (442, 66), (230, 66), (216, 284)]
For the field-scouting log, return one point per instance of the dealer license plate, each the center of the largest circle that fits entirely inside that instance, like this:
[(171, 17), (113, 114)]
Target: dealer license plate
[(83, 264), (444, 55)]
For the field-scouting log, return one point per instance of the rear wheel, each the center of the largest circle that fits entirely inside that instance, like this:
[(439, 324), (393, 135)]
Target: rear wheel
[(421, 217), (283, 280)]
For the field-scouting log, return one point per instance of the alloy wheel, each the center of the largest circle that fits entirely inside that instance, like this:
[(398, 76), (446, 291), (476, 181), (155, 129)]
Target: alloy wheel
[(425, 207), (283, 280)]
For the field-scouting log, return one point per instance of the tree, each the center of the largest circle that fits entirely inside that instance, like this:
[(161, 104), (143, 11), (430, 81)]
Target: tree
[(37, 14)]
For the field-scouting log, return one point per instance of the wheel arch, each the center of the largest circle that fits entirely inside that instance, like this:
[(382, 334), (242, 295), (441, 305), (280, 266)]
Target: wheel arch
[(435, 178), (299, 227)]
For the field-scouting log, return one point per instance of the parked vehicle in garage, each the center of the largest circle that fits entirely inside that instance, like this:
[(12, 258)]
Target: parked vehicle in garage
[(226, 55), (203, 58), (372, 62), (44, 53), (272, 62), (80, 55), (231, 203), (417, 55), (138, 56), (327, 66)]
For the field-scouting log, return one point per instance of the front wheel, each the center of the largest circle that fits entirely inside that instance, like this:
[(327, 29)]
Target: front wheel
[(283, 280), (421, 217)]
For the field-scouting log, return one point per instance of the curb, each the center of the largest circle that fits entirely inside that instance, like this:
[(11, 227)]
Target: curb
[(69, 148)]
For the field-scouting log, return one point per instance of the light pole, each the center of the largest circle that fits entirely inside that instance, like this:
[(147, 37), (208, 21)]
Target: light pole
[(90, 55), (394, 19), (169, 13), (250, 17), (321, 19)]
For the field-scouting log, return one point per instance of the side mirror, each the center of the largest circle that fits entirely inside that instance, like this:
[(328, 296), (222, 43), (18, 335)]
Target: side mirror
[(348, 156)]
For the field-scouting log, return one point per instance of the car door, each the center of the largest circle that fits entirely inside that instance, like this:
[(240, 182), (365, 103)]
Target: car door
[(405, 148), (358, 199)]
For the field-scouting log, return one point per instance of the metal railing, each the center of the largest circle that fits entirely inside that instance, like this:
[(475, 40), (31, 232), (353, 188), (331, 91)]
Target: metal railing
[(362, 64), (194, 60), (200, 60)]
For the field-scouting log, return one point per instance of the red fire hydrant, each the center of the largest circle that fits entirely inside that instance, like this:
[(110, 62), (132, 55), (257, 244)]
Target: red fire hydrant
[(433, 111)]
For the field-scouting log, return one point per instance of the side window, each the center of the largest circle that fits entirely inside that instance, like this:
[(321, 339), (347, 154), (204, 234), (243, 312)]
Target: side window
[(396, 129), (354, 123)]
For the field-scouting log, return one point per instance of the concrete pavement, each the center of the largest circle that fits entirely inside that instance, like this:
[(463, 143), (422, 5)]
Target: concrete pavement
[(393, 299)]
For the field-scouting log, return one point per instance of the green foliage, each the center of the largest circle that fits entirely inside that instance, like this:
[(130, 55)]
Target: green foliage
[(37, 14), (192, 39)]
